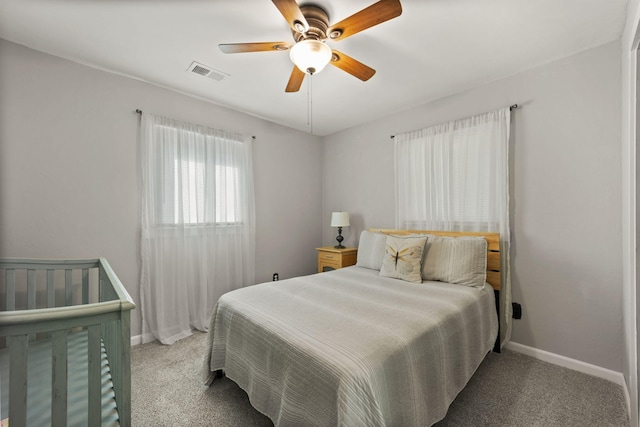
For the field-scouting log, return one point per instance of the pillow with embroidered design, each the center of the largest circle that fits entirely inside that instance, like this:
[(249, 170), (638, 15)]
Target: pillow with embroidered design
[(403, 258)]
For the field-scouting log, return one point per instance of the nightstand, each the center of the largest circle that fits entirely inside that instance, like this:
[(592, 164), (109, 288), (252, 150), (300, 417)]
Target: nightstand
[(330, 258)]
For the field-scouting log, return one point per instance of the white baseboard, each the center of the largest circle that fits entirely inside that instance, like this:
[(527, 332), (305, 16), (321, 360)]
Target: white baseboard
[(136, 340), (569, 363), (142, 338), (576, 365)]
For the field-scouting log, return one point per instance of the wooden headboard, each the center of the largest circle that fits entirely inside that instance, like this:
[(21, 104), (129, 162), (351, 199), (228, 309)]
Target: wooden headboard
[(493, 248)]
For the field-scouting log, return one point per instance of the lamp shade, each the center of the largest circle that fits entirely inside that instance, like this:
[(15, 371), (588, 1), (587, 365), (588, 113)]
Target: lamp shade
[(340, 219), (310, 56)]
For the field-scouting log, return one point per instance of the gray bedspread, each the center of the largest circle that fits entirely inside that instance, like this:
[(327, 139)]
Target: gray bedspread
[(350, 348)]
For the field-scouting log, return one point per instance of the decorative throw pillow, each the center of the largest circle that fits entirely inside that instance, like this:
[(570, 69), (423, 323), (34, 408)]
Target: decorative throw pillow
[(371, 250), (403, 258), (459, 260)]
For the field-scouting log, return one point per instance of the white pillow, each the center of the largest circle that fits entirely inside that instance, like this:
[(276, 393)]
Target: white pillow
[(458, 260), (403, 258), (371, 250)]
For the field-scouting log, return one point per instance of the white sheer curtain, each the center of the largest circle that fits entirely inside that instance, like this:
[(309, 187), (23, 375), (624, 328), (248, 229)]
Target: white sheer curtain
[(198, 224), (455, 176)]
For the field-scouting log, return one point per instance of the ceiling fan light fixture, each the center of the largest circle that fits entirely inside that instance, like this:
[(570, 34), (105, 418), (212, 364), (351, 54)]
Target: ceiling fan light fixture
[(310, 56)]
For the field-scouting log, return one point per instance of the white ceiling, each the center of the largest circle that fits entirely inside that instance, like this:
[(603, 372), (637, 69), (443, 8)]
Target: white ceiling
[(434, 49)]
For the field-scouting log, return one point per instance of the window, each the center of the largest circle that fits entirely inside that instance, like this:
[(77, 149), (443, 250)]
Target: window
[(199, 178), (450, 176)]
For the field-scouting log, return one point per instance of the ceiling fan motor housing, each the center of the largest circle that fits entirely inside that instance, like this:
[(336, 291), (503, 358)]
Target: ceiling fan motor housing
[(318, 21)]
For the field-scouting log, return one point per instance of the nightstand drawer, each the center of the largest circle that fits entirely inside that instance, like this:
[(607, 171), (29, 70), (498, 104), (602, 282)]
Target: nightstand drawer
[(328, 257)]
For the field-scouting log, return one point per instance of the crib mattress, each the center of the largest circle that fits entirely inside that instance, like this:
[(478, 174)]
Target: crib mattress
[(39, 383)]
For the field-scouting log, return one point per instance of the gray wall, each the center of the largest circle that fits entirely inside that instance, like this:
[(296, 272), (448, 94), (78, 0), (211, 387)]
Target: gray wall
[(565, 195), (69, 184)]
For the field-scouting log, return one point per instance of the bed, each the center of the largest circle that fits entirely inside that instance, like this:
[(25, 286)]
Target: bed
[(65, 344), (357, 346)]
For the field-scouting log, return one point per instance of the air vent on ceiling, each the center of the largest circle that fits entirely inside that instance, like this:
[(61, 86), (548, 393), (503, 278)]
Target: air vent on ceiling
[(206, 71)]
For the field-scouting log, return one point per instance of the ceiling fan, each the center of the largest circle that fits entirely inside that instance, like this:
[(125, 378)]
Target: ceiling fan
[(310, 26)]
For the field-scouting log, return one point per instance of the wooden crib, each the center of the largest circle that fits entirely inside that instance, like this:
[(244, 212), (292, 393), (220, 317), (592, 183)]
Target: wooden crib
[(65, 344)]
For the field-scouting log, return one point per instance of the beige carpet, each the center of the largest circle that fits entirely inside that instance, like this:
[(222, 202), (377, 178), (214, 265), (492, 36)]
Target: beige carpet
[(508, 389)]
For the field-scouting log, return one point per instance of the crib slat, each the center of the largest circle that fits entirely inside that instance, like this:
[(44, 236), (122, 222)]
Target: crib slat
[(51, 289), (68, 290), (102, 284), (10, 275), (95, 380), (59, 378), (31, 289), (31, 294), (124, 369), (18, 379), (85, 286)]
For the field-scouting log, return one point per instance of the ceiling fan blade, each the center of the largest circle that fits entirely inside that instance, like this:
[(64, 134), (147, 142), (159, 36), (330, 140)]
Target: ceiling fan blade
[(253, 47), (292, 13), (295, 81), (352, 66), (375, 14)]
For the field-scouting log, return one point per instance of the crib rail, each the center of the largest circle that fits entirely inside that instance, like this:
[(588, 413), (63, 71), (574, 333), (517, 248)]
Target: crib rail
[(50, 299)]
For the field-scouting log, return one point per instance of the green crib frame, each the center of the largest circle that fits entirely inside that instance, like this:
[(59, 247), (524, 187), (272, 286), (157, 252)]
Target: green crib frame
[(54, 304)]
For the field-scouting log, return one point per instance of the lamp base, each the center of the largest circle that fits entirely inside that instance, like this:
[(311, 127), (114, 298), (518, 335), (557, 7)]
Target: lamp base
[(339, 239)]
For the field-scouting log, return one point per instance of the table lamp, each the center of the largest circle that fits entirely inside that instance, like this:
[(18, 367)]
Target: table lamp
[(340, 219)]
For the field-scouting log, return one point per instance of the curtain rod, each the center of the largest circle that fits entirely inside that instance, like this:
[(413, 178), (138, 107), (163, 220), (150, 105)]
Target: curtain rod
[(139, 111), (511, 108)]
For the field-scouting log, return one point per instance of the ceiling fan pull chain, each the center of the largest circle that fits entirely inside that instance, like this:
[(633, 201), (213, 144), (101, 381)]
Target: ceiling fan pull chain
[(310, 103)]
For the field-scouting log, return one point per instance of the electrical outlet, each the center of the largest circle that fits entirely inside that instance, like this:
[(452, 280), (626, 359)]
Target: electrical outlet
[(276, 277), (517, 310)]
